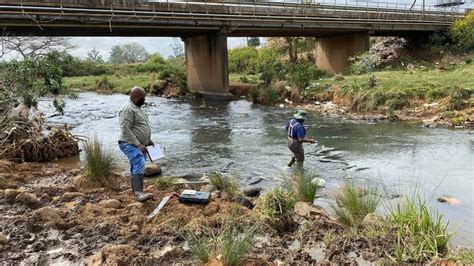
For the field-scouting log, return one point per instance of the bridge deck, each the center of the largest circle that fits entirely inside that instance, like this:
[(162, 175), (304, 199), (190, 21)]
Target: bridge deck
[(141, 18)]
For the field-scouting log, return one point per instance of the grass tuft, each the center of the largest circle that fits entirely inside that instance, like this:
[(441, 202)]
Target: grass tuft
[(354, 202), (164, 182), (232, 242), (277, 205), (303, 185), (99, 163), (225, 184), (421, 236)]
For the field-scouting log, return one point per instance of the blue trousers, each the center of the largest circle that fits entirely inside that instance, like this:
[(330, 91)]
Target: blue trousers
[(136, 158)]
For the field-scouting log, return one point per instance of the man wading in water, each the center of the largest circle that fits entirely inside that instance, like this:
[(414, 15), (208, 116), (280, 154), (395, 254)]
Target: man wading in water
[(135, 134), (296, 137)]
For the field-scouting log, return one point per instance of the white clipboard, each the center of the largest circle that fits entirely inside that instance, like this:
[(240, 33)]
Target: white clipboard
[(155, 153)]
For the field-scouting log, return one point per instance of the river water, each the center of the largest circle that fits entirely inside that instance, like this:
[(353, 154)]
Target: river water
[(249, 141)]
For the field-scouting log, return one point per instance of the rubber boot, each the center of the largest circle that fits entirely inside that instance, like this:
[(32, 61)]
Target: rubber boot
[(137, 186), (292, 161)]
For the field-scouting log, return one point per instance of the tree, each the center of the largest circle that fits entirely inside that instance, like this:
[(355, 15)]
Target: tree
[(116, 55), (178, 48), (128, 53), (292, 46), (253, 42), (32, 48), (94, 56)]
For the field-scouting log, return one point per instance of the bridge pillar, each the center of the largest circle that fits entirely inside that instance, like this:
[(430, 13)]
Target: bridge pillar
[(206, 65), (332, 53)]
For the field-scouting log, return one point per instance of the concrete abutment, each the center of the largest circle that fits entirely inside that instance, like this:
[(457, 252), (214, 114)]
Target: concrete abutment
[(207, 65), (332, 53)]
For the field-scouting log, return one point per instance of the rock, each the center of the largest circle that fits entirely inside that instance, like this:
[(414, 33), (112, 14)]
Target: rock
[(45, 198), (68, 196), (316, 253), (152, 170), (449, 200), (132, 206), (252, 191), (110, 203), (304, 209), (244, 201), (28, 199), (2, 193), (10, 194), (72, 204), (371, 220), (258, 180), (3, 240), (208, 188), (48, 215)]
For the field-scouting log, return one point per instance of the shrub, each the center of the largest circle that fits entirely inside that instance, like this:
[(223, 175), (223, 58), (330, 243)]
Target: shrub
[(303, 185), (301, 74), (99, 163), (226, 184), (265, 94), (458, 98), (242, 60), (354, 202), (421, 236), (462, 31)]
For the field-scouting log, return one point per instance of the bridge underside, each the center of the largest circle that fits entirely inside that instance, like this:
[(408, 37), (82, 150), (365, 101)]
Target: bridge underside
[(341, 32)]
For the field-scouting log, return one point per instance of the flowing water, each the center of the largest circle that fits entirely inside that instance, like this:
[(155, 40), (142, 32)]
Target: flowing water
[(238, 137)]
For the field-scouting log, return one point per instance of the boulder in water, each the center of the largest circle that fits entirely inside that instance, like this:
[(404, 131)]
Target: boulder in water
[(242, 200), (252, 191)]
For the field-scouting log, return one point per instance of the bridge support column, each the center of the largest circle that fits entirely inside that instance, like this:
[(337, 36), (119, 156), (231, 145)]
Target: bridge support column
[(332, 53), (206, 66)]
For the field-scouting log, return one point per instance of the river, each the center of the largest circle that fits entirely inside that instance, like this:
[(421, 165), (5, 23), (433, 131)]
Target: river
[(249, 141)]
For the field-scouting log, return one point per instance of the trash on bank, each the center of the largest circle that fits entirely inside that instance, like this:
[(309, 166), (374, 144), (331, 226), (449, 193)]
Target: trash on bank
[(194, 197)]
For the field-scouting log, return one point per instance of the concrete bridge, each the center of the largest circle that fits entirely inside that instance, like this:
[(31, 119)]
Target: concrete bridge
[(341, 29)]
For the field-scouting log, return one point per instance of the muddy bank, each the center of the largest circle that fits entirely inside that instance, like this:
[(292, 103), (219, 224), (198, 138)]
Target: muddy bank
[(51, 214)]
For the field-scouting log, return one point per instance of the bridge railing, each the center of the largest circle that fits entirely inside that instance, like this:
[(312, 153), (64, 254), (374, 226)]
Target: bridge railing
[(407, 8)]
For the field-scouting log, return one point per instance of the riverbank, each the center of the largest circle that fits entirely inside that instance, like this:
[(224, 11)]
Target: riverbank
[(53, 214)]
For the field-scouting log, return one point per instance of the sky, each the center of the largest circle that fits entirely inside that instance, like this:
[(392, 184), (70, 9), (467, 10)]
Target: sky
[(161, 45)]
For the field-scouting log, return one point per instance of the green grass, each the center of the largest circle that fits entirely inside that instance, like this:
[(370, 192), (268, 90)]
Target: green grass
[(303, 185), (398, 88), (119, 83), (354, 202), (464, 256), (277, 204), (99, 163), (164, 182), (231, 241), (421, 236), (242, 78), (225, 184)]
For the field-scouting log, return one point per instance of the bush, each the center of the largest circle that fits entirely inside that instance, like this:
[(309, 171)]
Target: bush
[(420, 236), (267, 56), (462, 31), (99, 163), (264, 94), (459, 98), (303, 185), (354, 202), (242, 60), (301, 74)]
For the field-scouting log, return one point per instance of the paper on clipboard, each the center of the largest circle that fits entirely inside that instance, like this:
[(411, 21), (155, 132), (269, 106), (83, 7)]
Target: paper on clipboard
[(155, 153)]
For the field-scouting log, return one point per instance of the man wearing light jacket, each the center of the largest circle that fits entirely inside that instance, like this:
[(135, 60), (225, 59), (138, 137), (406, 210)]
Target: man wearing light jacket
[(135, 134)]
